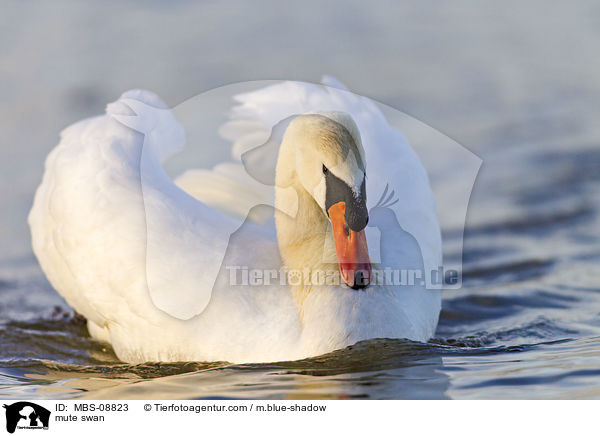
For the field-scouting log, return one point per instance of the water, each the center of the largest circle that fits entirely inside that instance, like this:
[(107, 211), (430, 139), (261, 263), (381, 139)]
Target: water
[(519, 90)]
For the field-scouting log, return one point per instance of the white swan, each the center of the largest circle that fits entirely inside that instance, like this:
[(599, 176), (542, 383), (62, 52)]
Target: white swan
[(136, 277)]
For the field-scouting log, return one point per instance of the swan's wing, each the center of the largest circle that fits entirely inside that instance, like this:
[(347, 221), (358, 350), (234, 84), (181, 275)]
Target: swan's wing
[(391, 162), (228, 188), (111, 230)]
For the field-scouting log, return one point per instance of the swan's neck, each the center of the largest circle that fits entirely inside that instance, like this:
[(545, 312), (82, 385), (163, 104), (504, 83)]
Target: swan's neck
[(303, 231)]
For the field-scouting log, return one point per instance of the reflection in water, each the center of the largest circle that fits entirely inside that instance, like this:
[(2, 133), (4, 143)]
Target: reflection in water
[(370, 369)]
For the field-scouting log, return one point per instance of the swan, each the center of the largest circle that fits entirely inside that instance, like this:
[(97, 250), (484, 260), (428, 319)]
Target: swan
[(153, 264)]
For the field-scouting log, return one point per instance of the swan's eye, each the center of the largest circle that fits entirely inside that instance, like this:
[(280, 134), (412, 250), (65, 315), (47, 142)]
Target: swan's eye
[(325, 170)]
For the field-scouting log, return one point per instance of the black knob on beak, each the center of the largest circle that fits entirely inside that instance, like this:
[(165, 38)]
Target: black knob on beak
[(361, 280)]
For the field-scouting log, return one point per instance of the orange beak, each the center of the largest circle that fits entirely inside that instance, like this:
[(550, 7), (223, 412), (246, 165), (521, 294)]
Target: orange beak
[(351, 249)]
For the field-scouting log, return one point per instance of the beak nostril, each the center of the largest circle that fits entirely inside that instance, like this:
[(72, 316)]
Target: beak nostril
[(347, 229)]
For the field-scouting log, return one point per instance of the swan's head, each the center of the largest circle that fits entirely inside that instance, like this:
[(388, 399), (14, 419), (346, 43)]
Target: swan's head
[(329, 161)]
